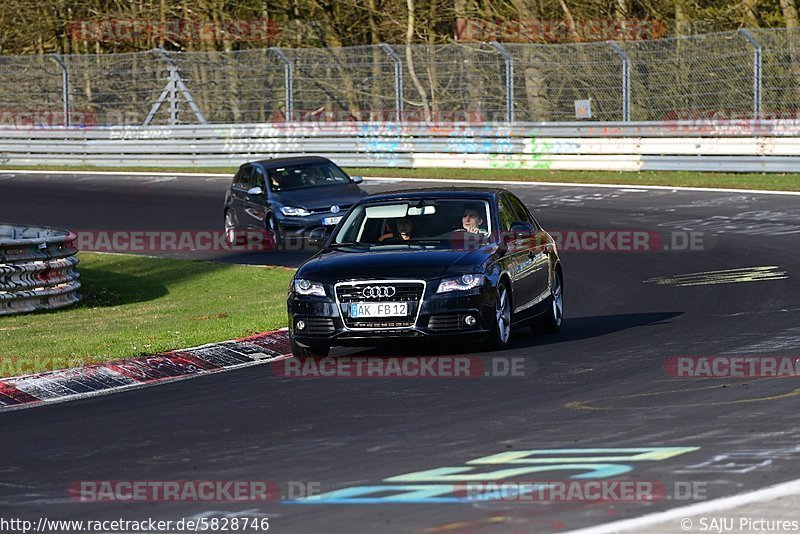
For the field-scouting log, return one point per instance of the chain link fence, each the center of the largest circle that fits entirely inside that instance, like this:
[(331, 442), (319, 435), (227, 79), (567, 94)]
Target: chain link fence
[(733, 75)]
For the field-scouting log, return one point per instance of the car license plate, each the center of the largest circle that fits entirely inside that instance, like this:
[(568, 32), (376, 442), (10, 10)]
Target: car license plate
[(378, 309), (331, 221)]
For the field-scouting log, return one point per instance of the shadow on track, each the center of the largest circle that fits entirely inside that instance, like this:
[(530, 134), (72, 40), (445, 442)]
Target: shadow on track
[(574, 329)]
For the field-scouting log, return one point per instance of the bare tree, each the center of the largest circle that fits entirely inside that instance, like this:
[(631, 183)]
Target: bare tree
[(410, 26)]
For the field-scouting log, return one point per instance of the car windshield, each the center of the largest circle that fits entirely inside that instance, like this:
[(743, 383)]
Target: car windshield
[(418, 223), (307, 175)]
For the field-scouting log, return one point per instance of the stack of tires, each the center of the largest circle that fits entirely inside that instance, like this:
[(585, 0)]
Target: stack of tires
[(37, 269)]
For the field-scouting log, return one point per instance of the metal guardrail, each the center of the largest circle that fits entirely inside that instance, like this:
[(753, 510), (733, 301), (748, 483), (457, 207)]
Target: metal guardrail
[(754, 146), (37, 269)]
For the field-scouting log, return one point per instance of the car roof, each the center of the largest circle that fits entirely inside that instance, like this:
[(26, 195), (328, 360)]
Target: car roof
[(293, 160), (478, 193)]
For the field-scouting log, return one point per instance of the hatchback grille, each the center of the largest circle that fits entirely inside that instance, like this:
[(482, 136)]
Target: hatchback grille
[(342, 210)]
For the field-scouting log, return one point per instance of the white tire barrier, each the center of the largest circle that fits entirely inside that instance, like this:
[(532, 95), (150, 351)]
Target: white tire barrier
[(37, 269)]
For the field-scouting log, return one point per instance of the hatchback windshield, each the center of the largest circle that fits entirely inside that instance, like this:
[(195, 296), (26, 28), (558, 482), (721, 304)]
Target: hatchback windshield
[(419, 222), (308, 175)]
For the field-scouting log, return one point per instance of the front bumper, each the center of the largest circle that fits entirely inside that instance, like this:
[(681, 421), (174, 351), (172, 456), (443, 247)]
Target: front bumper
[(440, 316), (298, 227)]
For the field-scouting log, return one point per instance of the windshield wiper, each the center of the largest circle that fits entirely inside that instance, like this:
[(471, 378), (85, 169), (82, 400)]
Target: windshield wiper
[(350, 244)]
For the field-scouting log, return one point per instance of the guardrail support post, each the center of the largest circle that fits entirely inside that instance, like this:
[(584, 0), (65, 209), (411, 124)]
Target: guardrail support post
[(750, 38), (174, 84), (288, 82), (64, 86), (626, 80), (398, 80), (509, 61)]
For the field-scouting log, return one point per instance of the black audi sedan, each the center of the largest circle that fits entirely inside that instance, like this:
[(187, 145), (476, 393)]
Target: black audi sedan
[(427, 263), (288, 197)]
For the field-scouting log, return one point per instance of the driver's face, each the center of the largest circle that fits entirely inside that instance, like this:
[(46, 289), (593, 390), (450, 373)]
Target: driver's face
[(470, 219)]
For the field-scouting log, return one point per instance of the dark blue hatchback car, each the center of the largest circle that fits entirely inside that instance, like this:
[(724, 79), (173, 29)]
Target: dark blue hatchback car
[(289, 197)]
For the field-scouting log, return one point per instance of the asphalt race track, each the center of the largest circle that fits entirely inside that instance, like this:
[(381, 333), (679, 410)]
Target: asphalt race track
[(600, 383)]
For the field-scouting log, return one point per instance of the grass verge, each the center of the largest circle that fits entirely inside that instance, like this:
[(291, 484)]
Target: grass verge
[(136, 305), (765, 181)]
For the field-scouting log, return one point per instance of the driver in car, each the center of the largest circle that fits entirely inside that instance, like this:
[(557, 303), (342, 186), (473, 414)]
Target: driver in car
[(472, 220)]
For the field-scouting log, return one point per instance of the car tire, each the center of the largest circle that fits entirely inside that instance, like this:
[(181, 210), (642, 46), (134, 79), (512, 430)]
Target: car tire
[(551, 320), (274, 229), (501, 330), (230, 228), (312, 351)]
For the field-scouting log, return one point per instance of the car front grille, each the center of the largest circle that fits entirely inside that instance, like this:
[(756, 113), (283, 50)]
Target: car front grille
[(380, 291), (342, 210)]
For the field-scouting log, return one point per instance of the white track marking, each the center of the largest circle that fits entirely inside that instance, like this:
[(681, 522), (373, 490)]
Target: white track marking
[(725, 503), (434, 180)]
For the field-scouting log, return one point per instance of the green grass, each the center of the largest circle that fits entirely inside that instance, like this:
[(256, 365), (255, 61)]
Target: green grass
[(136, 305), (768, 181)]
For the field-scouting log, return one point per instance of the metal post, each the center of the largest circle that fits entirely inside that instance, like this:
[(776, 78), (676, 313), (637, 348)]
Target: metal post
[(750, 38), (64, 87), (626, 80), (170, 92), (398, 80), (173, 95), (509, 61), (287, 82)]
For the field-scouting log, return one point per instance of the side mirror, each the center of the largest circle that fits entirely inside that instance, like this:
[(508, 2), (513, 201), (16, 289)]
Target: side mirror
[(521, 227), (518, 230), (357, 179), (317, 237), (255, 191)]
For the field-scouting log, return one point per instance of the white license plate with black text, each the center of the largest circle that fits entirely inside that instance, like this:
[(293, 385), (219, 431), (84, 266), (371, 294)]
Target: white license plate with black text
[(331, 221), (363, 310)]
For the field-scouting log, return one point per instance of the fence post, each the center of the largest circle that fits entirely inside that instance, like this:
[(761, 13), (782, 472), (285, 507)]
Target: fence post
[(509, 61), (398, 80), (170, 92), (626, 80), (64, 86), (288, 82), (750, 38)]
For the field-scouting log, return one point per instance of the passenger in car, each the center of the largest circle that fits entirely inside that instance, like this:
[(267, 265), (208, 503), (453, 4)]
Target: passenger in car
[(404, 230)]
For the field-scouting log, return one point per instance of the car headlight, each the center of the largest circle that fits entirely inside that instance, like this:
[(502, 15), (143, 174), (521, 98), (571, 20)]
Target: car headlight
[(460, 283), (295, 212), (307, 287)]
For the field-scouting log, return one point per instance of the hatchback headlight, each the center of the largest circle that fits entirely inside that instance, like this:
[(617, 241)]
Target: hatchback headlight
[(289, 211), (307, 287), (460, 283)]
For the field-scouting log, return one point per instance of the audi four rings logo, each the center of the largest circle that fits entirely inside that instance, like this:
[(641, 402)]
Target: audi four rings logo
[(374, 292)]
